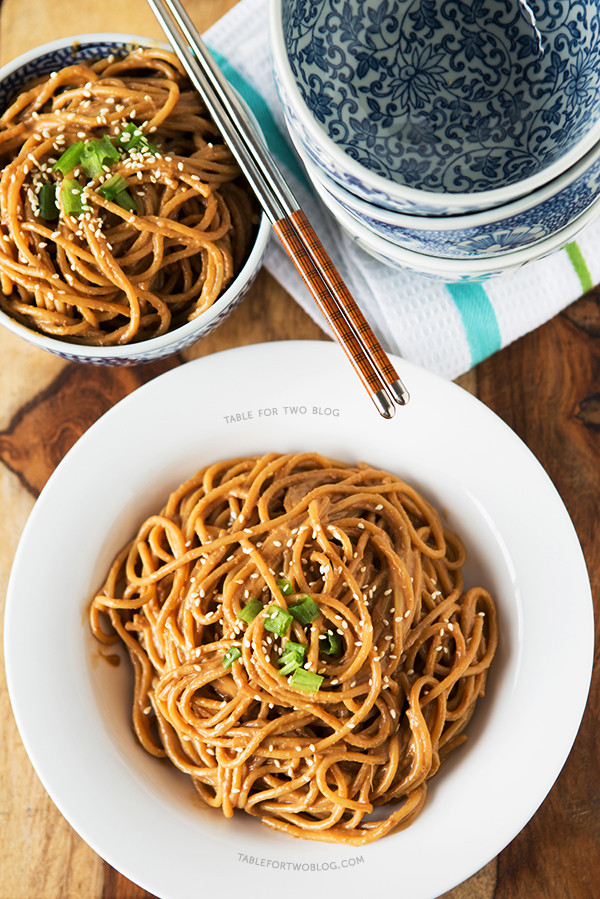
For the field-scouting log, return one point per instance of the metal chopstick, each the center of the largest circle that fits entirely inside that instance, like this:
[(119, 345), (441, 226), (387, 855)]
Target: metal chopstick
[(295, 232)]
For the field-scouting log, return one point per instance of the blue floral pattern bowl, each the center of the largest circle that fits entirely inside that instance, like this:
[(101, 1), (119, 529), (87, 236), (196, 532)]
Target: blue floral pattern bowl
[(492, 232), (49, 58), (473, 269), (440, 107)]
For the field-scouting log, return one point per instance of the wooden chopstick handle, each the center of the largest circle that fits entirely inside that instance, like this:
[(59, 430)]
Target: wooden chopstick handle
[(351, 310), (287, 231)]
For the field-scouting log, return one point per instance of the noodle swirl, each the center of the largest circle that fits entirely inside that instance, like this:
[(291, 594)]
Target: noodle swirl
[(395, 650), (111, 274)]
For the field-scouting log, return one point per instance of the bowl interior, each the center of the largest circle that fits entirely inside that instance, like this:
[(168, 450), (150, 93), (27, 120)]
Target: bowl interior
[(83, 48), (448, 97), (79, 737)]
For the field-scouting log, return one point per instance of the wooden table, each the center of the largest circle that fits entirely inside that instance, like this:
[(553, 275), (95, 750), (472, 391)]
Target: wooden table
[(546, 387)]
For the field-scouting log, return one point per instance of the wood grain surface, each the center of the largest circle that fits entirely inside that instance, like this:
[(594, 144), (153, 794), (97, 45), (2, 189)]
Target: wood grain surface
[(546, 386)]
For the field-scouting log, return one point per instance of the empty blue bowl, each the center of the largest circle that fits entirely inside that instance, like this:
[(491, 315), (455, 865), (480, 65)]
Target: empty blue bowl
[(491, 232), (445, 107)]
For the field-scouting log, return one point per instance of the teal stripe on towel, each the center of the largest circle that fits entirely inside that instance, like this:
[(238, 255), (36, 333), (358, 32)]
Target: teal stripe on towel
[(274, 139), (478, 318)]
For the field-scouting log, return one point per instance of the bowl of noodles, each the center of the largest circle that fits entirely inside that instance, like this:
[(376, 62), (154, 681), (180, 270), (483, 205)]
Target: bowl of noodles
[(127, 230), (297, 643)]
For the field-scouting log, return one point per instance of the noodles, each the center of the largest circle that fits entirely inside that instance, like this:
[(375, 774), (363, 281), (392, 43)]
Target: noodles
[(302, 643), (122, 214)]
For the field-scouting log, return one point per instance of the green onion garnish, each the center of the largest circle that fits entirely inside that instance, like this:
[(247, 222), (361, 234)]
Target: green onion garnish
[(126, 201), (231, 655), (304, 611), (113, 186), (115, 190), (47, 201), (69, 159), (277, 620), (249, 612), (290, 666), (70, 196), (96, 154), (331, 643), (285, 586), (295, 649), (305, 680), (292, 657), (133, 138)]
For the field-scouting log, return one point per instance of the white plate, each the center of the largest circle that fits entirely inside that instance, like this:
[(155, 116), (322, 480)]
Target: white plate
[(72, 707)]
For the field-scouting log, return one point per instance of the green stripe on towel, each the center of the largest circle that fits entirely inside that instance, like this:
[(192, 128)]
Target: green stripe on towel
[(274, 139), (478, 318), (579, 264)]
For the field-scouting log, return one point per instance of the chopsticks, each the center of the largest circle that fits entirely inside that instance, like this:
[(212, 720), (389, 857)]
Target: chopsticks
[(291, 225)]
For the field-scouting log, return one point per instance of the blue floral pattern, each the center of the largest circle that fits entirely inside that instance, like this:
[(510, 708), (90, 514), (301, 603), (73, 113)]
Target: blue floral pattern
[(139, 353), (511, 232), (52, 60), (448, 96)]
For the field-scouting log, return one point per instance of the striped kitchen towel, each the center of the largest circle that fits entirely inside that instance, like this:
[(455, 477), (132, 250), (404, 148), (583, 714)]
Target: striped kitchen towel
[(446, 328)]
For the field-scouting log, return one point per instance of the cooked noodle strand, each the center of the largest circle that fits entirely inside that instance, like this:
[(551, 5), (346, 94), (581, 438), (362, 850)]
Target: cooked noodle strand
[(401, 648), (110, 275)]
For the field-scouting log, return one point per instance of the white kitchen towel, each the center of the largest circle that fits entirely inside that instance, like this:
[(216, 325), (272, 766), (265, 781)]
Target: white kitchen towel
[(447, 328)]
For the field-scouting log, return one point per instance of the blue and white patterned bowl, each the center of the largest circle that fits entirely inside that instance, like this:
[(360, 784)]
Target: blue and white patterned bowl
[(441, 108), (55, 55), (476, 268), (492, 232)]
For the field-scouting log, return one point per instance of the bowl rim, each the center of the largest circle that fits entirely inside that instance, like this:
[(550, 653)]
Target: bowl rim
[(474, 266), (154, 345), (400, 193), (496, 214)]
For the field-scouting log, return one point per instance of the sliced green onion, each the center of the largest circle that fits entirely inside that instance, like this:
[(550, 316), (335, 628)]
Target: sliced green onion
[(290, 666), (295, 649), (96, 154), (69, 159), (47, 201), (305, 680), (304, 611), (331, 645), (133, 138), (126, 201), (70, 196), (285, 586), (292, 657), (249, 612), (233, 653), (277, 620), (113, 186), (116, 191)]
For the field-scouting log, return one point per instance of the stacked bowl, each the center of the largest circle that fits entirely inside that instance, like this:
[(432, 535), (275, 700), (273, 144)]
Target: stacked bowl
[(456, 139)]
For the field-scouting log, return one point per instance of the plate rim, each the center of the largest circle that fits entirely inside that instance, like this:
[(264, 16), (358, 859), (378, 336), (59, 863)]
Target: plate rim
[(408, 371)]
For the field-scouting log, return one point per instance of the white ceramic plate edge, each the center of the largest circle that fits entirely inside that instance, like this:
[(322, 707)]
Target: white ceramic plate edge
[(330, 364)]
